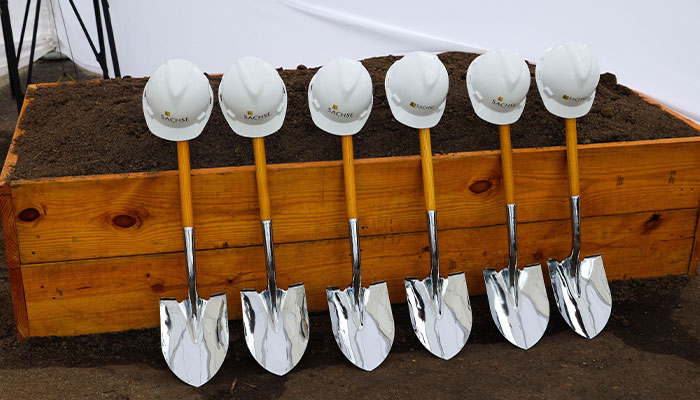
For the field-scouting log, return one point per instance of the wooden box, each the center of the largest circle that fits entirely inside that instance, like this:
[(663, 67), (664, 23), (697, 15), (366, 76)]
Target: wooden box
[(91, 254)]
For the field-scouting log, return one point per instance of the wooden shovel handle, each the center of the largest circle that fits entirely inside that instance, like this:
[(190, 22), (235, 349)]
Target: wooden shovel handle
[(261, 178), (426, 161), (507, 163), (572, 156), (349, 177), (185, 174)]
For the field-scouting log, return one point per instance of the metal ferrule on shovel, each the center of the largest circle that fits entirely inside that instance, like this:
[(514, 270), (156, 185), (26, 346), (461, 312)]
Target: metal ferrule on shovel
[(440, 310), (275, 321), (580, 287), (361, 318)]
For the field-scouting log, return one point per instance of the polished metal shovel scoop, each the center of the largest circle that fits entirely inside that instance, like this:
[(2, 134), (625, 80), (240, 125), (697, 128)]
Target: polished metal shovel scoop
[(361, 318), (517, 298), (440, 310), (580, 286), (276, 321), (193, 332)]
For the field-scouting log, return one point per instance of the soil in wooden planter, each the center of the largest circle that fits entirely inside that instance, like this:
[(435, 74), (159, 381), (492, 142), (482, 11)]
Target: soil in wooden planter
[(98, 127)]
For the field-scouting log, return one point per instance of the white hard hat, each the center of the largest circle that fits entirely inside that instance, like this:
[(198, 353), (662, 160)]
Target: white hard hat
[(416, 87), (177, 101), (497, 82), (567, 76), (253, 98), (340, 97)]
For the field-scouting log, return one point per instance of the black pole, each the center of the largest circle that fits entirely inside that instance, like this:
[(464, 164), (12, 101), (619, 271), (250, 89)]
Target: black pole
[(31, 52), (10, 53), (21, 35), (102, 56), (110, 38)]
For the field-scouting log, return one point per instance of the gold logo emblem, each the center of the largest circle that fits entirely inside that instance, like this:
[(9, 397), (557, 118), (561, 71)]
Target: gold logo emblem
[(167, 113), (500, 98), (250, 113), (565, 97), (335, 106), (413, 104)]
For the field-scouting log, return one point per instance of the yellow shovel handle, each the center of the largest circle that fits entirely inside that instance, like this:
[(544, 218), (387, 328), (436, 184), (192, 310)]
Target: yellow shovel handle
[(185, 174), (426, 160), (572, 156), (349, 177), (261, 178), (507, 163)]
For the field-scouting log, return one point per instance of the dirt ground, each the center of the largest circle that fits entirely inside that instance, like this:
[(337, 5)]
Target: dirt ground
[(650, 349)]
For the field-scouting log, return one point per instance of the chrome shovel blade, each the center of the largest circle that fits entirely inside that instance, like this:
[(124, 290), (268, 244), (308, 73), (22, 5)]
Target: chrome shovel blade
[(364, 335), (277, 339), (442, 323), (194, 348), (521, 315), (584, 301)]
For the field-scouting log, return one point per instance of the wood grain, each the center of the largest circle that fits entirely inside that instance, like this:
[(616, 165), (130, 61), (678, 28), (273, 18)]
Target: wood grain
[(90, 296), (15, 273), (83, 217)]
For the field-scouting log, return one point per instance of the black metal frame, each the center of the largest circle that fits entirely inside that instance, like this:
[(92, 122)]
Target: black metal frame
[(13, 60)]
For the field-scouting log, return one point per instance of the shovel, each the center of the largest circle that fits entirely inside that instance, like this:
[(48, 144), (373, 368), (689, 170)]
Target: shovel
[(580, 286), (362, 322), (440, 310), (276, 321), (517, 298), (193, 332)]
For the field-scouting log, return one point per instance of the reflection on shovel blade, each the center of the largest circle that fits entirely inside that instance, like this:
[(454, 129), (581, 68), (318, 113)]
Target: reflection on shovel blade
[(585, 308), (277, 339), (442, 326), (365, 336), (522, 321), (194, 349)]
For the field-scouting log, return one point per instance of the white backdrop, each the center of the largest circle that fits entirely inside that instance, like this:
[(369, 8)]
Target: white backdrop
[(652, 47)]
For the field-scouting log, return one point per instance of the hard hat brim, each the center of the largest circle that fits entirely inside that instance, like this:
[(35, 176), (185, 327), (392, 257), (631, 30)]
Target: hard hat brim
[(175, 134), (338, 128), (563, 111), (491, 116)]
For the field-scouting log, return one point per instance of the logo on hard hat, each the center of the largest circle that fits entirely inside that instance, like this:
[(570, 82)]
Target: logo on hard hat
[(334, 111), (499, 102), (421, 107), (166, 117), (250, 116), (565, 97)]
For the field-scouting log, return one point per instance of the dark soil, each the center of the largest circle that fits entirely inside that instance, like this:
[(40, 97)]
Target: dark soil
[(98, 127)]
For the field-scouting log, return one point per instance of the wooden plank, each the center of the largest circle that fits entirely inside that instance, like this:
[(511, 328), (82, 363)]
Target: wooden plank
[(114, 294), (15, 273), (131, 214), (11, 157), (695, 255)]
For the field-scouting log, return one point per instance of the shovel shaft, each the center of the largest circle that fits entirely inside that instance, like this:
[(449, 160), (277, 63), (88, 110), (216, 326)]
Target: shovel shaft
[(507, 163), (261, 178), (572, 156), (269, 245), (426, 158), (185, 174), (349, 177)]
